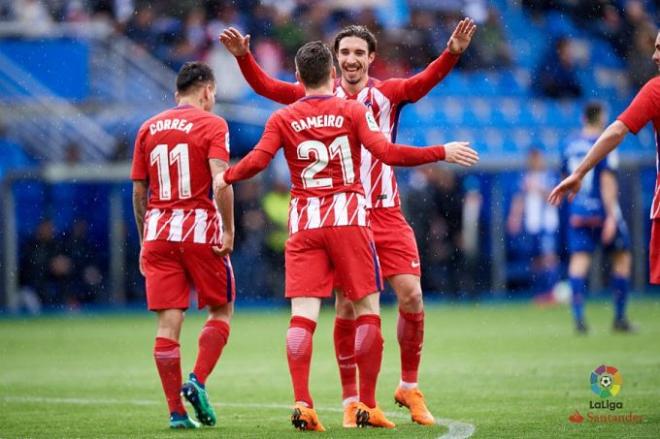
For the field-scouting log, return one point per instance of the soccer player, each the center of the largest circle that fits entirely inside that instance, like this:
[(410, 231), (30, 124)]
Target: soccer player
[(183, 237), (355, 50), (330, 240), (595, 218), (644, 108)]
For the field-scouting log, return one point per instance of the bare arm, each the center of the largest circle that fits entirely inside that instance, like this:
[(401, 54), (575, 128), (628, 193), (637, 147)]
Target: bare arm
[(225, 201), (610, 139), (609, 191), (140, 196)]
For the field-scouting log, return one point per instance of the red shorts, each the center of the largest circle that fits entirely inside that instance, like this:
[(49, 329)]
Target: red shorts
[(654, 253), (314, 258), (395, 242), (172, 267)]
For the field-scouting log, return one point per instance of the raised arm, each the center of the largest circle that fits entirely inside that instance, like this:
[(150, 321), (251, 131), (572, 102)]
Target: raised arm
[(402, 155), (260, 81), (416, 87)]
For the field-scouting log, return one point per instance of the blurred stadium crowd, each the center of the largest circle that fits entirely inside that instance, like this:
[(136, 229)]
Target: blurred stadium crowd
[(64, 252)]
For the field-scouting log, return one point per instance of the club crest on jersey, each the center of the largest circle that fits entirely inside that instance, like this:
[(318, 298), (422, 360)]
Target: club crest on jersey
[(373, 126)]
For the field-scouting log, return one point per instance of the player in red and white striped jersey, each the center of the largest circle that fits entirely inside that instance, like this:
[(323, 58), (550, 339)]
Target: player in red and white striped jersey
[(183, 236), (330, 239), (355, 50), (643, 109)]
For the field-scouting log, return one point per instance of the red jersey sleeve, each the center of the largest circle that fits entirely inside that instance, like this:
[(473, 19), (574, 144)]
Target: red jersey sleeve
[(218, 139), (139, 168), (644, 107), (416, 87), (259, 158), (390, 153), (267, 86)]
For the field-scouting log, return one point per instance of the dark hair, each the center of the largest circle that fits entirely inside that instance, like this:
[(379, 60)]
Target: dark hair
[(361, 32), (314, 62), (193, 74), (592, 112)]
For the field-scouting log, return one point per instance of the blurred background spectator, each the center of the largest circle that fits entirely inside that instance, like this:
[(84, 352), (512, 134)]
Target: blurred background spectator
[(533, 229)]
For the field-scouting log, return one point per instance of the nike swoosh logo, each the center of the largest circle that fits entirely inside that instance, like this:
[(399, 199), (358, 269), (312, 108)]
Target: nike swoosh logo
[(414, 264), (344, 357)]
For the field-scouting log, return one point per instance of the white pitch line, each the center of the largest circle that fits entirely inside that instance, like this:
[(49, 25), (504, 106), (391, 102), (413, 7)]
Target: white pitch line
[(456, 429)]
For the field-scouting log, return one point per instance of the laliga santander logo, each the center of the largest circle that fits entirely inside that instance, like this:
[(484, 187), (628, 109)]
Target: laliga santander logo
[(606, 381)]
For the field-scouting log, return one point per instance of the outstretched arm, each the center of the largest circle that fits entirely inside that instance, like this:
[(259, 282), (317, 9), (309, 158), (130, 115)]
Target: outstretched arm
[(610, 139), (419, 85), (256, 161), (402, 155), (260, 81)]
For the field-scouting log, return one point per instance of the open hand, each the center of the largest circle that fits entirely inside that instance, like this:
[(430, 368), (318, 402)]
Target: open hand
[(462, 36), (235, 42), (461, 154), (569, 186)]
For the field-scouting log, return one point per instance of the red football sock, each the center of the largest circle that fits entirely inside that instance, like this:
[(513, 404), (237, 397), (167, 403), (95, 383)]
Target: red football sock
[(212, 340), (299, 355), (344, 336), (410, 333), (168, 362), (368, 354)]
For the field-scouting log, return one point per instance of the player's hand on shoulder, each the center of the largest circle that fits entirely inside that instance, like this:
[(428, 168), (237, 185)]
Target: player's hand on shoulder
[(461, 154), (462, 36), (235, 42), (569, 186), (227, 245)]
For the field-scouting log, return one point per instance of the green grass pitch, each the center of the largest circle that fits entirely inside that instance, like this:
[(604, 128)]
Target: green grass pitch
[(508, 370)]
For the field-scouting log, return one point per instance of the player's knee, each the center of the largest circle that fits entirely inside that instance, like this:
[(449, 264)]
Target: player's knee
[(222, 312), (344, 309), (410, 300)]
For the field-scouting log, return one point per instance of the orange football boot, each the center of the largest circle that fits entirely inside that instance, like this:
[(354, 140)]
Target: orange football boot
[(349, 415), (366, 417), (305, 418), (414, 401)]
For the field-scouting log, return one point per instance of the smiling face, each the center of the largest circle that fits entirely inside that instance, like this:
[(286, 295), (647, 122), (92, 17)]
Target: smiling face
[(354, 59)]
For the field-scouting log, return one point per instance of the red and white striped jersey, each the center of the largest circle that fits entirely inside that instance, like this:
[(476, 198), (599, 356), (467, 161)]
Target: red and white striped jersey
[(341, 209), (643, 109), (201, 226), (378, 179), (172, 152), (384, 98), (322, 137)]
